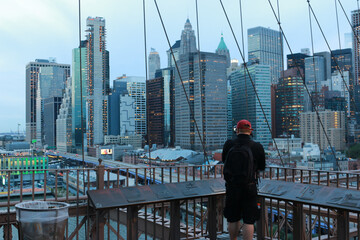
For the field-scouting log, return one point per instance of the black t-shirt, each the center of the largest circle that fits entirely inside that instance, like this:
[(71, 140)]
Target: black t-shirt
[(256, 148)]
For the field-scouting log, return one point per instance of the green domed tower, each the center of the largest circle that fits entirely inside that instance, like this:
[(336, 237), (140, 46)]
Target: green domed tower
[(223, 50)]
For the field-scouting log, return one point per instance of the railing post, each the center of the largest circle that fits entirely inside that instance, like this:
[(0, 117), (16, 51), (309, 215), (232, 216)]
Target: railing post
[(219, 214), (299, 221), (100, 221), (175, 220), (7, 231), (132, 223), (212, 218), (100, 175), (342, 224), (261, 223)]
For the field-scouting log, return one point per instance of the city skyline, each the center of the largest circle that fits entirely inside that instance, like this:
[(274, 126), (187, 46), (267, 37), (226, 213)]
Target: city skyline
[(57, 34)]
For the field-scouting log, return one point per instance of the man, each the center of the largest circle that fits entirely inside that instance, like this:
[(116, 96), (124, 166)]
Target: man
[(241, 195)]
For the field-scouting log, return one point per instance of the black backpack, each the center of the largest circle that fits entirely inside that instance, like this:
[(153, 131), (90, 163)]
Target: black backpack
[(239, 165)]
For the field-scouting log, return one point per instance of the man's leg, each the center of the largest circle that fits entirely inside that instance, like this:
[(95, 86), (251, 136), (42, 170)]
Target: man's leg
[(248, 231), (234, 228)]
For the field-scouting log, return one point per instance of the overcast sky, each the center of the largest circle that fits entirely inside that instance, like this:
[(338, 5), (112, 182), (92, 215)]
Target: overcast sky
[(39, 29)]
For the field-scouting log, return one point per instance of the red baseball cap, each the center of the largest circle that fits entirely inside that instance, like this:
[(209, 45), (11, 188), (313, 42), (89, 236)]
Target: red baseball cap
[(244, 124)]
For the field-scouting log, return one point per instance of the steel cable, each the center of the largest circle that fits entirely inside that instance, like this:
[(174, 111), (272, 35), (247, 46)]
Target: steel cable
[(251, 80)]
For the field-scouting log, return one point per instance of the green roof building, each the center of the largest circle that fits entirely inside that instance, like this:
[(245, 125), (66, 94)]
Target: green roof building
[(223, 50)]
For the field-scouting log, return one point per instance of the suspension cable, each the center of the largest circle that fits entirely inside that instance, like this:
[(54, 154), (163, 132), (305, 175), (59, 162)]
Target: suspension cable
[(201, 82), (181, 80), (327, 43), (343, 86), (303, 79), (337, 24), (353, 30), (81, 111), (251, 80), (282, 77), (313, 60), (352, 99), (332, 55), (317, 92), (243, 47), (146, 83), (348, 20)]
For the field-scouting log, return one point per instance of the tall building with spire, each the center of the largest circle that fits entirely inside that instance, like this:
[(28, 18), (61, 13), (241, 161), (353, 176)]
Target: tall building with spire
[(188, 39), (154, 63), (97, 81), (201, 103), (223, 50)]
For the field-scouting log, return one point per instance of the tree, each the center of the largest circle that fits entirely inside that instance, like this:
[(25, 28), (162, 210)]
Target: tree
[(354, 151)]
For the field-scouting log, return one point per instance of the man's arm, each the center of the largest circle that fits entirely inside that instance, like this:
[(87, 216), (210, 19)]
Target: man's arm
[(226, 149), (260, 157)]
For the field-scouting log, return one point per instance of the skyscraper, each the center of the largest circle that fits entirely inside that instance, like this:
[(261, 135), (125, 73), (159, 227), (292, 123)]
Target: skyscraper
[(264, 47), (327, 63), (127, 116), (51, 110), (230, 129), (338, 83), (118, 89), (208, 101), (97, 81), (296, 60), (160, 106), (355, 22), (76, 126), (188, 39), (64, 121), (315, 73), (51, 83), (154, 63), (32, 76), (312, 132), (289, 103), (261, 76), (176, 50), (343, 58), (223, 50), (136, 89)]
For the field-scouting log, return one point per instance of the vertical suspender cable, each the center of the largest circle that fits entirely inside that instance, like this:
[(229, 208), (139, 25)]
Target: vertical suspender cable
[(343, 85), (317, 92), (302, 76), (146, 82), (181, 80), (285, 95), (201, 83), (81, 110), (81, 94), (252, 82), (327, 43), (243, 49)]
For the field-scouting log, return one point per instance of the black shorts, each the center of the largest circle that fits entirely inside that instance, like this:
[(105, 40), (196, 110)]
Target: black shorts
[(241, 203)]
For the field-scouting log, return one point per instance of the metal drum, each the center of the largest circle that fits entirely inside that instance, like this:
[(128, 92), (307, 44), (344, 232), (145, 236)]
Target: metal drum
[(42, 220)]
